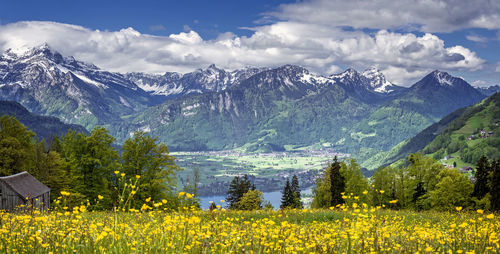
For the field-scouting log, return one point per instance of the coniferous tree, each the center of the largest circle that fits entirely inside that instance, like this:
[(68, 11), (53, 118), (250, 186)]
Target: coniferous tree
[(419, 192), (495, 186), (237, 188), (337, 183), (481, 186), (295, 191), (285, 198)]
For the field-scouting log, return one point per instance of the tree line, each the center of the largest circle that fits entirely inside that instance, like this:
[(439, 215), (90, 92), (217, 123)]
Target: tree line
[(423, 184), (242, 195), (89, 167)]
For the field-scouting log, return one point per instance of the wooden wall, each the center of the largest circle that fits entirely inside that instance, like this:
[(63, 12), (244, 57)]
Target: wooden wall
[(11, 200)]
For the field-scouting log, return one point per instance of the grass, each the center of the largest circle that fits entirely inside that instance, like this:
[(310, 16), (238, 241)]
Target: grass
[(341, 230)]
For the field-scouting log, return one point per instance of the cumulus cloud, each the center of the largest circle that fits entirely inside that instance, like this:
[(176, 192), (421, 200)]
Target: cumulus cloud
[(320, 48), (425, 16)]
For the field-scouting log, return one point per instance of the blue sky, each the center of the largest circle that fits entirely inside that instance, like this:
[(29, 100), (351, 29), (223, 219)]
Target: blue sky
[(207, 17), (405, 39)]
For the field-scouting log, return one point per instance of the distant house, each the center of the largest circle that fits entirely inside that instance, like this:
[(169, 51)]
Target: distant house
[(466, 169), (23, 191)]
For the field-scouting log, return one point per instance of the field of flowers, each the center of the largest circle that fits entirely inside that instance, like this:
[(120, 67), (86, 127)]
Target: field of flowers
[(354, 229)]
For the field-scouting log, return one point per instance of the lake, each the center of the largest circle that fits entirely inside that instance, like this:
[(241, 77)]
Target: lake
[(274, 197)]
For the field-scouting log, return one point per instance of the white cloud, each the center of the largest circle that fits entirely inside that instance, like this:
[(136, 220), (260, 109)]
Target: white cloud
[(479, 83), (476, 38), (320, 48), (422, 15)]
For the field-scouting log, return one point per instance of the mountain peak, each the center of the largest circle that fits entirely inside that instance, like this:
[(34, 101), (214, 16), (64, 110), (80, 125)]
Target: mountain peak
[(372, 71), (212, 66), (350, 73), (443, 78), (378, 81)]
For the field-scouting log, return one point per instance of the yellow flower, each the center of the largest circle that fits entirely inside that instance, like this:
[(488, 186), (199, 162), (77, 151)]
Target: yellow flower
[(65, 193), (382, 191), (490, 216), (393, 201), (181, 193), (122, 174), (148, 199), (164, 201), (117, 172), (100, 197), (137, 176), (365, 192), (188, 195), (480, 211), (222, 201), (459, 208)]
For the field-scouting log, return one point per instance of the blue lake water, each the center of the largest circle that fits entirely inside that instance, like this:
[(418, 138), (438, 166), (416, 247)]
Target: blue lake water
[(274, 197)]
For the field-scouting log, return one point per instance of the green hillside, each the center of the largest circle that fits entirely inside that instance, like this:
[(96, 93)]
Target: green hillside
[(463, 135), (475, 133)]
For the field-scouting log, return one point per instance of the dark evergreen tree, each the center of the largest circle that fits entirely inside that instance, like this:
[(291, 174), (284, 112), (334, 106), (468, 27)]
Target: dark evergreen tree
[(337, 183), (481, 186), (295, 190), (237, 188), (419, 192), (287, 197), (495, 186)]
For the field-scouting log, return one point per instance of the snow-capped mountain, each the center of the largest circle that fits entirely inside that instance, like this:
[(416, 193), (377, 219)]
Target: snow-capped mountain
[(439, 80), (488, 91), (45, 82), (172, 84), (378, 82), (371, 79)]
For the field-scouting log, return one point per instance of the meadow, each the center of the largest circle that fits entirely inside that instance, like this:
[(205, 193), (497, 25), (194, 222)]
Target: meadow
[(217, 169), (353, 229)]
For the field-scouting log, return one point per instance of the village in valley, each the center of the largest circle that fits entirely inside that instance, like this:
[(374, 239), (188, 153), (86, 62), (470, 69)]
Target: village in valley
[(268, 171)]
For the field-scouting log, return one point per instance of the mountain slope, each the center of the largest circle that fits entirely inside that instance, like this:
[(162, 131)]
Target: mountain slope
[(45, 127), (451, 135), (286, 105), (476, 132), (45, 82), (424, 103)]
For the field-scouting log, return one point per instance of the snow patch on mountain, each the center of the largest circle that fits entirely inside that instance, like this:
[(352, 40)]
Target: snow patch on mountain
[(443, 78), (378, 81)]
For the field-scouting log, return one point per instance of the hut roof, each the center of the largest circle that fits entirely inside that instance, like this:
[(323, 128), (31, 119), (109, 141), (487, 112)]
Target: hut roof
[(25, 184)]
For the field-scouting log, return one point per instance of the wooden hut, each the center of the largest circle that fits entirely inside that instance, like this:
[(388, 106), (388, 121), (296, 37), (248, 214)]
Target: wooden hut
[(22, 191)]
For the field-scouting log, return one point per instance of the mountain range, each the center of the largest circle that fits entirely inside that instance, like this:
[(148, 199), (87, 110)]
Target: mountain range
[(256, 109)]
